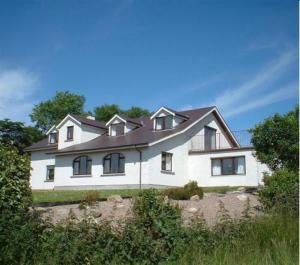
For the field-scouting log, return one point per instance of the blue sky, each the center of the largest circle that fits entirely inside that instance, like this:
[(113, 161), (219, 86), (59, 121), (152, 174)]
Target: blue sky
[(239, 55)]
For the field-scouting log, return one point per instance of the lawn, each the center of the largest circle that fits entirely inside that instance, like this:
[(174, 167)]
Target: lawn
[(40, 196)]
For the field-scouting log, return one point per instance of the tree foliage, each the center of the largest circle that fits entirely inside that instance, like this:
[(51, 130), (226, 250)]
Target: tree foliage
[(15, 193), (18, 135), (52, 111), (107, 111), (276, 140)]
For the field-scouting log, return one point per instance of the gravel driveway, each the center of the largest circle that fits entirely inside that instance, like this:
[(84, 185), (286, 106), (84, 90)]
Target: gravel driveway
[(208, 207)]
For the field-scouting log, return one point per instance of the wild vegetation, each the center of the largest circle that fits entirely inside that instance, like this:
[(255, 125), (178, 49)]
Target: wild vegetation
[(184, 193)]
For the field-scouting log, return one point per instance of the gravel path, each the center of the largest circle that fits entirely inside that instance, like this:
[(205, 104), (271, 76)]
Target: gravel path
[(208, 207)]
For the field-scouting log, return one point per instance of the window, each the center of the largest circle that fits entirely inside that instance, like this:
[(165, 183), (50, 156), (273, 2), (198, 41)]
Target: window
[(163, 123), (114, 163), (209, 138), (166, 161), (50, 173), (82, 165), (228, 166), (52, 138), (70, 132), (117, 129)]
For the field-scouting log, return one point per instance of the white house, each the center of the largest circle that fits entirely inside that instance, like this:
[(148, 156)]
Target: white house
[(168, 149)]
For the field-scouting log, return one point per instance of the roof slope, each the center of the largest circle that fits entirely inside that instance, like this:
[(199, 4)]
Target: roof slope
[(86, 121), (140, 136)]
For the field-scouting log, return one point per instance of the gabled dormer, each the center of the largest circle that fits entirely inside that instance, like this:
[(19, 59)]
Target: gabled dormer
[(166, 119), (120, 125)]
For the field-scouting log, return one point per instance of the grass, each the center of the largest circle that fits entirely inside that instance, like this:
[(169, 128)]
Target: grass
[(40, 196), (270, 240)]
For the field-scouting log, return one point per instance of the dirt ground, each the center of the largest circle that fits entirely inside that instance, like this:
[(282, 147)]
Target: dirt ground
[(208, 207)]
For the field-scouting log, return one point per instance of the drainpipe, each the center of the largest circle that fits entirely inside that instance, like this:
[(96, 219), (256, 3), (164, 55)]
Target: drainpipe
[(140, 179)]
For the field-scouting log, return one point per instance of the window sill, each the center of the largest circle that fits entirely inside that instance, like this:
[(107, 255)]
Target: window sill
[(112, 174), (48, 180), (81, 176), (229, 175), (69, 140), (167, 172)]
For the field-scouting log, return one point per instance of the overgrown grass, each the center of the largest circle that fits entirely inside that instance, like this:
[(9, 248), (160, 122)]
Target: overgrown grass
[(267, 240)]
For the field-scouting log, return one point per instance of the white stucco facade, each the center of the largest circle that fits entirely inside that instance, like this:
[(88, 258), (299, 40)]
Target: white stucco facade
[(186, 164)]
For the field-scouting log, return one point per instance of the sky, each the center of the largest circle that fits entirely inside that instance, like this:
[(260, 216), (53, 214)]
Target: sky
[(241, 56)]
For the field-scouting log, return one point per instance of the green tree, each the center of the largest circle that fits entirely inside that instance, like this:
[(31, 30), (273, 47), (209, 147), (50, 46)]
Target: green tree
[(15, 193), (18, 135), (52, 111), (276, 140), (136, 112), (106, 112)]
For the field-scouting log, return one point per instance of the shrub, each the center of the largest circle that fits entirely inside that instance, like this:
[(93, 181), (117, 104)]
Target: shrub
[(281, 191), (15, 193), (89, 199), (185, 192)]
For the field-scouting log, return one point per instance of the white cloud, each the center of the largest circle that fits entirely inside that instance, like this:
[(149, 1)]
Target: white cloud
[(238, 98), (16, 93)]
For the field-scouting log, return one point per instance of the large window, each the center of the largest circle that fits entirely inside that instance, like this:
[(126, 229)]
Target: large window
[(50, 173), (228, 166), (163, 123), (82, 165), (209, 138), (117, 129), (70, 132), (166, 161), (52, 138), (114, 163)]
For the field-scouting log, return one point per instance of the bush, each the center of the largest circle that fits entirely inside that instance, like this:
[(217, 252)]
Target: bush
[(281, 191), (186, 192), (15, 193), (89, 199)]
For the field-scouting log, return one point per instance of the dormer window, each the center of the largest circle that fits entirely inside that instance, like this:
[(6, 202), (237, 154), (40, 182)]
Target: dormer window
[(70, 132), (163, 123), (117, 129), (53, 138)]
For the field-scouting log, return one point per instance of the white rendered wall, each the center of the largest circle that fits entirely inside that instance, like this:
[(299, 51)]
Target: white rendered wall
[(39, 163), (89, 133)]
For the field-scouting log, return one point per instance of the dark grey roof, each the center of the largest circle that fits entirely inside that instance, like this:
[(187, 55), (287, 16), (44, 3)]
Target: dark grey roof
[(143, 135), (86, 121), (41, 145)]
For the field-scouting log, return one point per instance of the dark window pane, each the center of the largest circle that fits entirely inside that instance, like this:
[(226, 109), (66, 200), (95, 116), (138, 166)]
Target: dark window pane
[(119, 129), (76, 168), (53, 138), (70, 130), (50, 173), (83, 165), (168, 122), (227, 166), (159, 123), (210, 138), (166, 161), (114, 163), (106, 166), (122, 165)]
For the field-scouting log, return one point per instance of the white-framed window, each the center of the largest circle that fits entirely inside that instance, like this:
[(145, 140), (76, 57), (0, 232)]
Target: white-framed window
[(163, 123), (70, 133), (166, 161), (53, 138), (50, 173), (117, 129), (228, 166), (114, 163)]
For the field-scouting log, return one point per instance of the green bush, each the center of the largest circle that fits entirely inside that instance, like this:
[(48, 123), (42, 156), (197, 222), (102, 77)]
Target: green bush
[(281, 191), (185, 192), (15, 193)]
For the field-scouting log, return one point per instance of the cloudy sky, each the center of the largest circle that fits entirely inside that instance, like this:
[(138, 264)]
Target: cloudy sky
[(241, 56)]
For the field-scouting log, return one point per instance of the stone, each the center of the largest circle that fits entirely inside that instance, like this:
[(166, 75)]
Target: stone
[(115, 198), (195, 198), (119, 206), (166, 199), (241, 189), (255, 193), (192, 210), (221, 195), (242, 197)]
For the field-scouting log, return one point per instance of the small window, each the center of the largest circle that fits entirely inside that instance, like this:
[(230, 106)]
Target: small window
[(70, 132), (52, 138), (166, 161), (114, 163), (117, 129), (228, 166), (50, 173), (82, 165), (163, 123)]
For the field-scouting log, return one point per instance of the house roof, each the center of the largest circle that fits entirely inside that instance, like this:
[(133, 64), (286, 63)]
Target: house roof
[(142, 136), (86, 121)]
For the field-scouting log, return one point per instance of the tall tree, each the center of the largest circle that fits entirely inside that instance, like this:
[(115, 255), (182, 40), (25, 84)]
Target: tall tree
[(50, 112), (18, 135), (136, 112), (276, 140), (106, 112)]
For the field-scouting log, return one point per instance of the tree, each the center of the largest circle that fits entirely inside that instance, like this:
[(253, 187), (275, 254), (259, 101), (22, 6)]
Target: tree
[(16, 134), (276, 141), (50, 112), (15, 193), (107, 111), (136, 112)]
